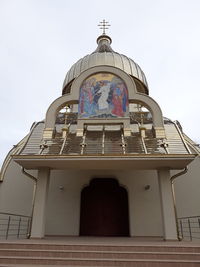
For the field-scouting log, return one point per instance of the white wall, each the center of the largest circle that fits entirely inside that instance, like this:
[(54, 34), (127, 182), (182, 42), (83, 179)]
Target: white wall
[(187, 191), (64, 205), (63, 208), (144, 205), (16, 191)]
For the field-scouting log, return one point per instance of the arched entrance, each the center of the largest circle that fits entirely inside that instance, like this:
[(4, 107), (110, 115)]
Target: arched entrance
[(104, 209)]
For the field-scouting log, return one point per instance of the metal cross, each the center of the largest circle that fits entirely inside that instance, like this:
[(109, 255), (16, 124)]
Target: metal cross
[(104, 26)]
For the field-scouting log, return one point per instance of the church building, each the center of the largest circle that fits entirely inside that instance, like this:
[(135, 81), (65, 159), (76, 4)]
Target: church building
[(104, 160)]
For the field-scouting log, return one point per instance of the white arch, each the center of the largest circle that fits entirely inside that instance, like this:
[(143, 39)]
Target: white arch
[(134, 96)]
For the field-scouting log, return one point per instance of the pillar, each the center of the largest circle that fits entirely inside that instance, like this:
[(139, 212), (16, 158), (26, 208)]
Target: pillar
[(39, 211), (167, 205)]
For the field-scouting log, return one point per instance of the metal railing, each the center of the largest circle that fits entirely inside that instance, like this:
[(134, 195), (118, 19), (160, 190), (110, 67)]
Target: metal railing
[(14, 226), (189, 228)]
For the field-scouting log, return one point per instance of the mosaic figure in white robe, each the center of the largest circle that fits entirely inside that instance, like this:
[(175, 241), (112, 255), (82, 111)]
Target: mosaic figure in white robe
[(102, 102)]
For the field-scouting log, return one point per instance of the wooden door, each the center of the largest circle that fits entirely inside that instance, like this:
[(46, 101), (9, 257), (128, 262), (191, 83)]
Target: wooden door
[(104, 209)]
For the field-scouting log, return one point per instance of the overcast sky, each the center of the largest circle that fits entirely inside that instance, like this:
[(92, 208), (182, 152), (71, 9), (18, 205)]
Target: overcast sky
[(41, 39)]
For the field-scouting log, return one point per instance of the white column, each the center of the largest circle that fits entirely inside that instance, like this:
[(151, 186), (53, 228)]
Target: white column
[(39, 212), (167, 205)]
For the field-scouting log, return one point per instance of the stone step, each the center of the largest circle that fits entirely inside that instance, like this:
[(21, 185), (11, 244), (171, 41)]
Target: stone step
[(97, 262), (98, 254), (31, 265), (86, 247)]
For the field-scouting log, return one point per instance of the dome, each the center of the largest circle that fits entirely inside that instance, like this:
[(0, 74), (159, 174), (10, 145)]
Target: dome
[(104, 55)]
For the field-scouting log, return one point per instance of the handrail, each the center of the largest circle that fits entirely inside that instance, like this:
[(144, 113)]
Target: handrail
[(192, 144), (123, 141), (14, 225), (189, 227), (142, 138), (65, 138), (83, 144), (14, 214), (197, 216), (182, 138), (103, 140)]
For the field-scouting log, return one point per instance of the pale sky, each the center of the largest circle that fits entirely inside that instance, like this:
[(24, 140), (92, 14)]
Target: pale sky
[(42, 39)]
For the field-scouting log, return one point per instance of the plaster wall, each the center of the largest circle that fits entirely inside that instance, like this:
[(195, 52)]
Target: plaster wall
[(16, 191), (187, 191), (63, 206)]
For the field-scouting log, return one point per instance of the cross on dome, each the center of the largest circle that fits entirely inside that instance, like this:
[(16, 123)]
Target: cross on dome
[(104, 26)]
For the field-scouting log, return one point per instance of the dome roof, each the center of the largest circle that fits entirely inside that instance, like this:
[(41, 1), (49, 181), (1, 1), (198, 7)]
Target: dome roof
[(104, 55)]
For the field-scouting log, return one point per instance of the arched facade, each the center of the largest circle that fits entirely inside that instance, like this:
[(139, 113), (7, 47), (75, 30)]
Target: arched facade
[(133, 97), (107, 135)]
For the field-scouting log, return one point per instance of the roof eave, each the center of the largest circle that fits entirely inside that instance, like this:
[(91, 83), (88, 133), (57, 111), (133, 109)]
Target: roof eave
[(125, 162)]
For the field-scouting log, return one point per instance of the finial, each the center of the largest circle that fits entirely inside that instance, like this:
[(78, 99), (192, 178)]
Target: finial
[(104, 26)]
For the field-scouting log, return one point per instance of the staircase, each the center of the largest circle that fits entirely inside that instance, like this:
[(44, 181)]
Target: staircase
[(143, 254)]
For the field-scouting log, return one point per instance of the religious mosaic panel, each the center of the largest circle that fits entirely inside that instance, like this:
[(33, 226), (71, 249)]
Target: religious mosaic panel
[(103, 95)]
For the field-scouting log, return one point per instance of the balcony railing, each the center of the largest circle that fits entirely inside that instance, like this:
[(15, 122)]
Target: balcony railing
[(14, 226), (189, 228)]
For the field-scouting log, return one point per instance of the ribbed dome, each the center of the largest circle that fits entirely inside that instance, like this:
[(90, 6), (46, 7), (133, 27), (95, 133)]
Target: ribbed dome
[(104, 55)]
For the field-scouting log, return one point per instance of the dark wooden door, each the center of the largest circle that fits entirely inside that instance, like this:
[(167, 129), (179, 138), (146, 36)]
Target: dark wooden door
[(104, 209)]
